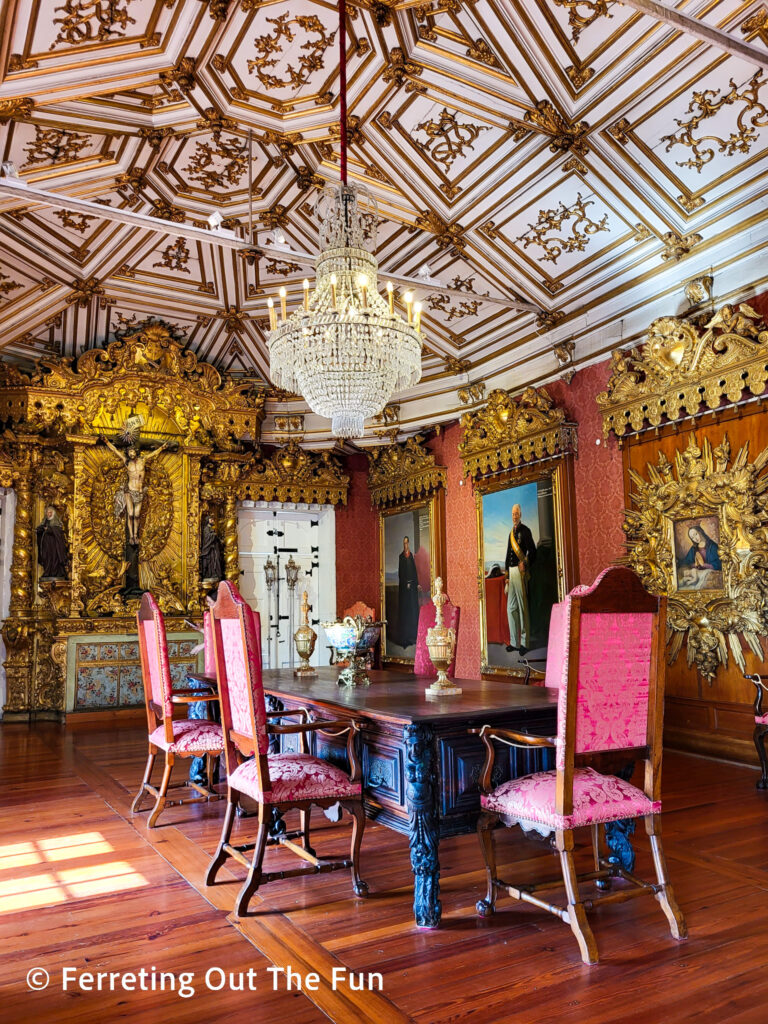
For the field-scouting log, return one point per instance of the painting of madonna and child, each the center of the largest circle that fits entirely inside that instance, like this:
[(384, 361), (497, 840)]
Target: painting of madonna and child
[(406, 578), (697, 554), (520, 568)]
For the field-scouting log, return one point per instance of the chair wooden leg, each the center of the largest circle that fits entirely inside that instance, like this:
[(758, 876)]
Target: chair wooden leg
[(226, 831), (358, 826), (145, 781), (162, 791), (485, 826), (666, 897), (304, 824), (759, 738), (210, 763), (253, 879), (600, 852), (577, 915)]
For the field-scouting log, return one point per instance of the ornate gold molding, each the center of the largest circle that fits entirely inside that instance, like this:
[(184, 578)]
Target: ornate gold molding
[(508, 432), (698, 532), (682, 367), (402, 471), (294, 474)]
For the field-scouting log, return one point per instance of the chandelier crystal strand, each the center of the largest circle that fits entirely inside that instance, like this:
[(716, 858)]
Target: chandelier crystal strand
[(345, 350)]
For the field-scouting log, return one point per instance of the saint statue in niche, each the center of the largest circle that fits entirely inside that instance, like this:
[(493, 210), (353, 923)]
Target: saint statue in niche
[(129, 499), (52, 546), (211, 553)]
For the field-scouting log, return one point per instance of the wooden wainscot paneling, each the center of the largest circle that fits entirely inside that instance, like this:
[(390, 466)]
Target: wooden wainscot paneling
[(690, 409)]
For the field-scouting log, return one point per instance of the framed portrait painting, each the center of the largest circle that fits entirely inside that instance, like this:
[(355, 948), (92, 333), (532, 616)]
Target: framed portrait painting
[(526, 563), (696, 548), (410, 546)]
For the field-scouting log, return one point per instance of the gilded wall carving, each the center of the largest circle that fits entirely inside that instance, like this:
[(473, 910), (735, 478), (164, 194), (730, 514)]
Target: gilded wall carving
[(403, 471), (293, 474), (685, 368)]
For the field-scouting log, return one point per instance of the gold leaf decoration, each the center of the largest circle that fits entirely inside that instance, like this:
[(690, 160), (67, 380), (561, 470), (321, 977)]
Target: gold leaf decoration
[(293, 474), (402, 471)]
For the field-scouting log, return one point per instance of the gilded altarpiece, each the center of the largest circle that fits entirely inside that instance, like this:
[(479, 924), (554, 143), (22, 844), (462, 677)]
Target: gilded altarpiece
[(118, 453)]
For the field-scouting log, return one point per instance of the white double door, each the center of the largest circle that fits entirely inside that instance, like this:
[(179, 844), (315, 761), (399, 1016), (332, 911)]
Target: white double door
[(306, 533)]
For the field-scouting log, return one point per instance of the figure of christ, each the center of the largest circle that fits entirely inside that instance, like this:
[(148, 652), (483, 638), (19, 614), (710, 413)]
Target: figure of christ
[(132, 495)]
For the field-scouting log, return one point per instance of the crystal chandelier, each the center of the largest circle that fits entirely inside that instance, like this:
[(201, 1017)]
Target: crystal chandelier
[(346, 350)]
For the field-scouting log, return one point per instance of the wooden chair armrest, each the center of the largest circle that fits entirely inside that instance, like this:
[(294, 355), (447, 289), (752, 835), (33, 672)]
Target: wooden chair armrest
[(303, 713), (512, 739), (761, 685), (343, 726), (192, 698)]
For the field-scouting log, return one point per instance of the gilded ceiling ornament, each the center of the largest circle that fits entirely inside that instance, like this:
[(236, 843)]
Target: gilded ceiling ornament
[(85, 21), (698, 532), (581, 14), (84, 291), (448, 138), (443, 304), (546, 320), (54, 146), (402, 471), (620, 131), (218, 163), (706, 104), (77, 221), (564, 136), (182, 74), (307, 179), (691, 203), (218, 9), (677, 246), (457, 366), (472, 393), (285, 142), (574, 164), (269, 49), (382, 13), (175, 256), (447, 236), (164, 210), (480, 51), (283, 267), (579, 75), (215, 122), (757, 25), (15, 109), (400, 71), (291, 424), (699, 290), (642, 232), (683, 367), (582, 228), (508, 432), (275, 217), (564, 354), (354, 130), (294, 474), (7, 284)]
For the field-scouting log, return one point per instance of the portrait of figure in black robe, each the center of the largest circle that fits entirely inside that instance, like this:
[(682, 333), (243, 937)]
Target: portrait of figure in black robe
[(52, 546), (408, 597), (211, 553)]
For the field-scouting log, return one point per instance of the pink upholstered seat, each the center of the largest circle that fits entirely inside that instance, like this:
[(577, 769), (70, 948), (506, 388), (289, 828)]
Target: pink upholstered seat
[(295, 777), (761, 719), (286, 781), (422, 663), (596, 798), (606, 659), (190, 736), (185, 737)]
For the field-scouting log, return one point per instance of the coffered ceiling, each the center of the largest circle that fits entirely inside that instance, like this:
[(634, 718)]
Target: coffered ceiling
[(579, 159)]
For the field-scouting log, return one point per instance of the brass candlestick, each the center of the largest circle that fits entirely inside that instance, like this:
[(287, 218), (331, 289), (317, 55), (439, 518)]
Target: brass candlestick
[(440, 643), (305, 639)]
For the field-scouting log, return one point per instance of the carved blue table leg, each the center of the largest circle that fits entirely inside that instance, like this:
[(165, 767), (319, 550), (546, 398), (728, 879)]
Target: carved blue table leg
[(200, 710), (618, 834), (421, 796)]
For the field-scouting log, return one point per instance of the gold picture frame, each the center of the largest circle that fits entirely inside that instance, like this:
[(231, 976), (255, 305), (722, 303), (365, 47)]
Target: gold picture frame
[(396, 522), (552, 485)]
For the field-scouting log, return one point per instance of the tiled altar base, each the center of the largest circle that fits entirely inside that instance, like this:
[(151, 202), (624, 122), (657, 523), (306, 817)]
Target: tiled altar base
[(84, 884)]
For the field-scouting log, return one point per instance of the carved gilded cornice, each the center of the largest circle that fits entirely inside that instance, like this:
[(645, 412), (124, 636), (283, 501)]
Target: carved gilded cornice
[(683, 367), (402, 471), (509, 432), (293, 474), (146, 366)]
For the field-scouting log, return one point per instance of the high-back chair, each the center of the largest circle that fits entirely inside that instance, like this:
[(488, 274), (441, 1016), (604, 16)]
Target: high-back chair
[(607, 653), (185, 737), (422, 663), (275, 781)]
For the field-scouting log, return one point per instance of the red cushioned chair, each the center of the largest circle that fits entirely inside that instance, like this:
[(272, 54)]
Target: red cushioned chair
[(422, 663), (279, 781), (182, 738), (761, 727), (608, 652)]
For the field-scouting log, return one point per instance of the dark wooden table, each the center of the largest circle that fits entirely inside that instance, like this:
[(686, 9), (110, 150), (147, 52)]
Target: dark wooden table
[(420, 765)]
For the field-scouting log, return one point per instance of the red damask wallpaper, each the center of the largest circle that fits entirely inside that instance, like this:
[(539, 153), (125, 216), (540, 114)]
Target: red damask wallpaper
[(357, 542)]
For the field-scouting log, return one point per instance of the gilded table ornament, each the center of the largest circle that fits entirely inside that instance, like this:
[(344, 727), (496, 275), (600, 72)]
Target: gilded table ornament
[(305, 639), (352, 637), (441, 642), (698, 532)]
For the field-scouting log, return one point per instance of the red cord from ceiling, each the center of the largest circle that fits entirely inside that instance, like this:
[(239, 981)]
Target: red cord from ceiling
[(343, 88)]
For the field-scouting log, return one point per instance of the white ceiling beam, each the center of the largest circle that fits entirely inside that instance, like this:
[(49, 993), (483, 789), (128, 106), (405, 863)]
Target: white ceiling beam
[(694, 27), (28, 194)]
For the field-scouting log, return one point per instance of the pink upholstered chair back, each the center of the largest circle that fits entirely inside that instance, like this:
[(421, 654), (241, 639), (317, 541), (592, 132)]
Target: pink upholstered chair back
[(422, 664), (237, 642), (209, 656), (362, 609), (153, 649), (606, 654)]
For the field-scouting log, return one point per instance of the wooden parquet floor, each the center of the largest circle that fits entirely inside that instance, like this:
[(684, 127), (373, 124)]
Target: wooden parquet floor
[(85, 885)]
